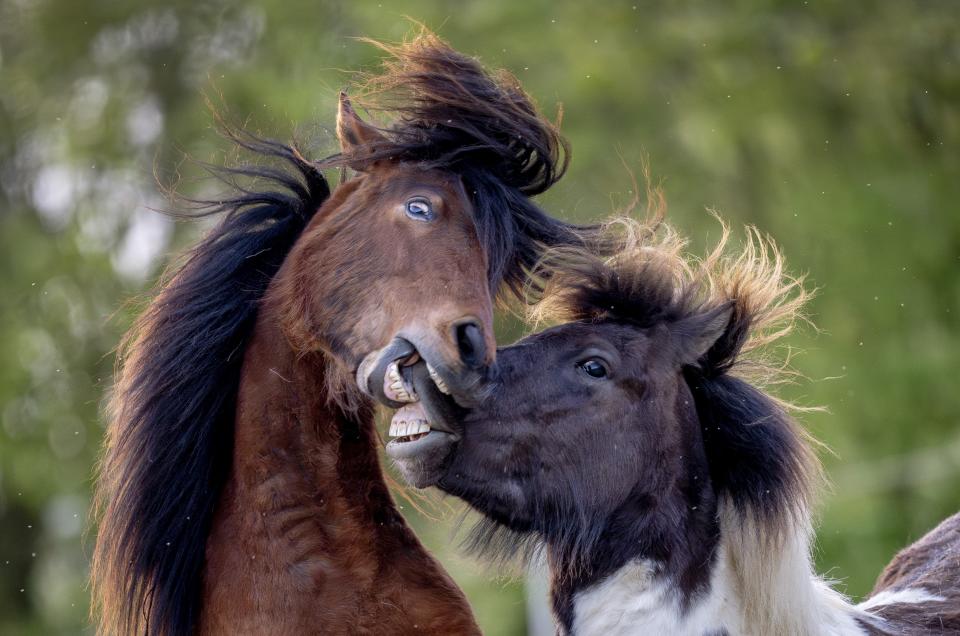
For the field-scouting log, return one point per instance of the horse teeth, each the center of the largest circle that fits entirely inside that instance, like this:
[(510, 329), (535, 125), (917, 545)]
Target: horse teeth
[(393, 372), (437, 380), (395, 387), (404, 428)]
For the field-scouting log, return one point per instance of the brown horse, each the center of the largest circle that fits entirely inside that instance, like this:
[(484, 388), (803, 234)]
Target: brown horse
[(240, 491), (670, 494)]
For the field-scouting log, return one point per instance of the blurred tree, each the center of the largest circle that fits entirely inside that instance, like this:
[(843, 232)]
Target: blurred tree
[(833, 126)]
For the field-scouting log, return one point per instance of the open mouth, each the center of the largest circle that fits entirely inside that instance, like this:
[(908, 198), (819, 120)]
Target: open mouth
[(428, 416), (397, 384), (409, 424)]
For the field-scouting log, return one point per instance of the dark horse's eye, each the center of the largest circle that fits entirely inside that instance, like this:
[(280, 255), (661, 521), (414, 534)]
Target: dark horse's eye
[(594, 368), (420, 209)]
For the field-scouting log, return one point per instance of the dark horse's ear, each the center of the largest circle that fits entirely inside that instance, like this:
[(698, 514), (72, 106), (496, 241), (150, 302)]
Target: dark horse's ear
[(694, 335), (358, 139)]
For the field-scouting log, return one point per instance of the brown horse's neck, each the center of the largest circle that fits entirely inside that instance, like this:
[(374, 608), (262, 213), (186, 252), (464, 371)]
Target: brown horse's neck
[(306, 538)]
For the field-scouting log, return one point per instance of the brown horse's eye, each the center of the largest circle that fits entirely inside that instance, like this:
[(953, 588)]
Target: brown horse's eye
[(594, 368), (420, 209)]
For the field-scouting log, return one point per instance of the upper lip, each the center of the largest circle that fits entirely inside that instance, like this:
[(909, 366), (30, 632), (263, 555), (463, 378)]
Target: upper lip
[(398, 350)]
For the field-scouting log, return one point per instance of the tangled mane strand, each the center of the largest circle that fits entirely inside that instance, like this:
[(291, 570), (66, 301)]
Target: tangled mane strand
[(650, 278), (169, 438), (760, 459), (448, 112)]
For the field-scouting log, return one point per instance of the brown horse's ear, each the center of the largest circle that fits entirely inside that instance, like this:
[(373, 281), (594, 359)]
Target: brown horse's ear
[(358, 139), (694, 335)]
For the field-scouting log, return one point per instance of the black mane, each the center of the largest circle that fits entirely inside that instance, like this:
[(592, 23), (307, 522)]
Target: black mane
[(169, 449), (755, 451)]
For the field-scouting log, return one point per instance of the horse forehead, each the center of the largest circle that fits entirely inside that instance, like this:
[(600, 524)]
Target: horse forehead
[(579, 334), (639, 351), (402, 177)]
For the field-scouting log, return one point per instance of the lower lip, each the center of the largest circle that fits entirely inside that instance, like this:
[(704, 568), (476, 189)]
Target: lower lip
[(409, 450)]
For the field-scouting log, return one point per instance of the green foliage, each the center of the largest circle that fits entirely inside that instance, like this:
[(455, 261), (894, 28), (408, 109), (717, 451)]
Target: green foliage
[(834, 126)]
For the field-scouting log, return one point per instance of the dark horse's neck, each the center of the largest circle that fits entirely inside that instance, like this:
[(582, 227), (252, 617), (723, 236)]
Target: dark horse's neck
[(672, 532), (675, 539), (306, 537)]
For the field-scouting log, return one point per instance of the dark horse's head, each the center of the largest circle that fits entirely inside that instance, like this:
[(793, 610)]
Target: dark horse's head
[(397, 267), (610, 435)]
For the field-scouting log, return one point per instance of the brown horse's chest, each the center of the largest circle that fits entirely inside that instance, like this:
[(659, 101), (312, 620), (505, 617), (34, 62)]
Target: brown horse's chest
[(299, 545), (332, 589)]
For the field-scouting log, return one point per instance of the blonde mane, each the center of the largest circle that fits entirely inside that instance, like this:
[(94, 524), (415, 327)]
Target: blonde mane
[(651, 269)]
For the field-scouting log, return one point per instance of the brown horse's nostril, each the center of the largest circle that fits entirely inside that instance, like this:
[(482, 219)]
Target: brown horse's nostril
[(470, 344)]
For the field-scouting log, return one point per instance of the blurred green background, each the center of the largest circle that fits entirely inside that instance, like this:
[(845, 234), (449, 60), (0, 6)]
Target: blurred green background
[(832, 125)]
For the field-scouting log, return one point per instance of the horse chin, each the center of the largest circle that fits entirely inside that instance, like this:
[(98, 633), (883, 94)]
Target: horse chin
[(421, 461), (426, 426)]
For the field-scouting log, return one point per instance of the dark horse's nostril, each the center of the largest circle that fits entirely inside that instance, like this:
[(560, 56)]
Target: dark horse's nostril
[(470, 344)]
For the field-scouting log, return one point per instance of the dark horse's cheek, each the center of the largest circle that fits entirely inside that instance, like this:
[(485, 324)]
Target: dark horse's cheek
[(504, 501)]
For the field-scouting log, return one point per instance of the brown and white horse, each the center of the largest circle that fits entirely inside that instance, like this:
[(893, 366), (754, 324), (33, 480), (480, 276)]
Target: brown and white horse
[(670, 494), (240, 490)]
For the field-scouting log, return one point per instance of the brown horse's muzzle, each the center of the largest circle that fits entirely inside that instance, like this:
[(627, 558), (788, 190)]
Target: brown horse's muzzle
[(471, 345), (385, 374), (430, 381)]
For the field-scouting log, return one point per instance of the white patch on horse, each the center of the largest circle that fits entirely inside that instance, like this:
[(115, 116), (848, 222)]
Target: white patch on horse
[(778, 589), (757, 587), (637, 600), (909, 595)]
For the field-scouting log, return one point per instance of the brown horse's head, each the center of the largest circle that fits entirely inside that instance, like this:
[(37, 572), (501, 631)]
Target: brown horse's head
[(391, 268), (404, 260)]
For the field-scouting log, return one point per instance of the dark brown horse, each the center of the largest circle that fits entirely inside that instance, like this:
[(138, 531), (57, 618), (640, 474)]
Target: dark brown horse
[(240, 491), (671, 495)]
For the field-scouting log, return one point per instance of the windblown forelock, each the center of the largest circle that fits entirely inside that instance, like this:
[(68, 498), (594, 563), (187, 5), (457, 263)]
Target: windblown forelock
[(651, 278), (449, 111)]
